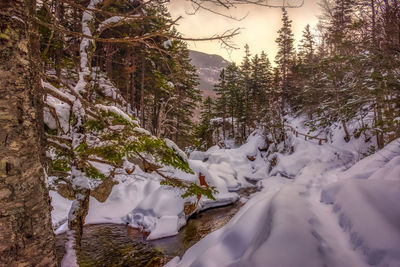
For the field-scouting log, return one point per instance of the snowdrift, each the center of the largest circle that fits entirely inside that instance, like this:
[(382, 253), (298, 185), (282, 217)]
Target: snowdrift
[(140, 201), (325, 216), (366, 201)]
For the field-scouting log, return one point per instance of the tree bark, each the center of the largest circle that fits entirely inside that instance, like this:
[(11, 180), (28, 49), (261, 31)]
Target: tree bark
[(142, 91), (26, 235)]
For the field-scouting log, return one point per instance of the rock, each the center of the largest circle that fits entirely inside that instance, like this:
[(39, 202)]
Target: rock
[(251, 158), (102, 192)]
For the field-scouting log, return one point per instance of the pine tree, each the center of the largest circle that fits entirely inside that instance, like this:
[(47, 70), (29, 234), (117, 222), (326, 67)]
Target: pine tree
[(305, 72), (221, 103), (184, 77), (261, 82), (235, 102), (307, 46), (247, 115), (339, 64), (205, 130), (285, 56)]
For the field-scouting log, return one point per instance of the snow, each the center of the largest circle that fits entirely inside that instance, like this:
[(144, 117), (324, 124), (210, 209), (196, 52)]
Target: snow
[(159, 210), (160, 213), (167, 44), (142, 131), (69, 259), (116, 111), (61, 207), (367, 198), (57, 91), (48, 119), (62, 110), (335, 134), (124, 197), (316, 207), (325, 215), (140, 200), (114, 20), (174, 147)]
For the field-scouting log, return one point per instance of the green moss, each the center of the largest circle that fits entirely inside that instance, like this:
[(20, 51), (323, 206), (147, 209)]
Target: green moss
[(81, 148), (94, 125), (92, 172), (115, 118), (50, 131), (4, 36), (111, 153), (72, 118), (111, 136), (62, 165)]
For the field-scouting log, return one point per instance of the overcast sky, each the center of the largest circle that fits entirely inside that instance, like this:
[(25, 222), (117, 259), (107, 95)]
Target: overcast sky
[(259, 27)]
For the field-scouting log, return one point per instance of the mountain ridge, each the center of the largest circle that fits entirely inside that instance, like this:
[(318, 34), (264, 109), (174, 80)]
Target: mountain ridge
[(208, 68)]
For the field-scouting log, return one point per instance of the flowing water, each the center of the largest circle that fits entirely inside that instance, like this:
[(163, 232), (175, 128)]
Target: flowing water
[(119, 245)]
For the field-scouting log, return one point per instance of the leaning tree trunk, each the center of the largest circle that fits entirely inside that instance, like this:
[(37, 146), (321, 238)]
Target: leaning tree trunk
[(26, 236)]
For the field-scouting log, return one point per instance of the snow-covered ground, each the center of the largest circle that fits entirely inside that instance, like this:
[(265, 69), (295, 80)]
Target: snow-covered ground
[(328, 215), (332, 212), (140, 200)]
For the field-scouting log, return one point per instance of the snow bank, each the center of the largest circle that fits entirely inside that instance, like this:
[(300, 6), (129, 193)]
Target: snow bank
[(139, 199), (286, 224), (366, 201), (161, 211), (335, 134)]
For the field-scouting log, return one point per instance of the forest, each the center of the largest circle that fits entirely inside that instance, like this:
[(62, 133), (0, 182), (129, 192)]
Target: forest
[(98, 106)]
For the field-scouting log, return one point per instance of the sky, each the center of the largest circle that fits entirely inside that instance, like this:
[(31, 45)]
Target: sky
[(259, 27)]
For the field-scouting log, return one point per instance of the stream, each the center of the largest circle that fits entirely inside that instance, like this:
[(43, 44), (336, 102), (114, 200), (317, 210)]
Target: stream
[(106, 245)]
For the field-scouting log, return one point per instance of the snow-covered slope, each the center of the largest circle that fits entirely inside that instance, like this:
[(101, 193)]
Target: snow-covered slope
[(328, 215), (208, 68)]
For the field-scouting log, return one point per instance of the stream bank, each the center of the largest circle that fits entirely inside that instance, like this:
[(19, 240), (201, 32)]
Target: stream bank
[(105, 245)]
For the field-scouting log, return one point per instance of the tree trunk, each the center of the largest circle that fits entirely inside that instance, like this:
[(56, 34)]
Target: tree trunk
[(142, 92), (346, 132), (132, 81), (26, 236), (77, 215), (109, 59), (379, 123), (223, 126)]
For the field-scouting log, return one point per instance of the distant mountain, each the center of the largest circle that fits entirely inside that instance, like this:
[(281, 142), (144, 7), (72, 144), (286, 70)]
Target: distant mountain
[(208, 68)]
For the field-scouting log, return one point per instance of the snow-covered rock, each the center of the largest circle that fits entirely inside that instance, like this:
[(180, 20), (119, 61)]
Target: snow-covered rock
[(139, 199)]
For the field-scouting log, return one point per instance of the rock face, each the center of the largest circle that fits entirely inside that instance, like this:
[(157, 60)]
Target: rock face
[(208, 68)]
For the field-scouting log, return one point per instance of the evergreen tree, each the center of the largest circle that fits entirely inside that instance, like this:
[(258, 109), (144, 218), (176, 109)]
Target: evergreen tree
[(221, 103), (307, 46), (204, 131), (305, 72), (246, 99), (261, 82), (235, 101), (285, 56)]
